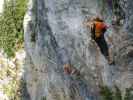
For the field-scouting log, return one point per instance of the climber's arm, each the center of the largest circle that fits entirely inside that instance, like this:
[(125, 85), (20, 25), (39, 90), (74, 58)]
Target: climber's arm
[(88, 24), (92, 30), (110, 39)]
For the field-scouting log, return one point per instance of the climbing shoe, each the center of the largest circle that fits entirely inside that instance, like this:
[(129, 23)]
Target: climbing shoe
[(111, 62)]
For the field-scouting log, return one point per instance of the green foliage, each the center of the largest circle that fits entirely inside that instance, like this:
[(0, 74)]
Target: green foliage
[(11, 39), (9, 89), (44, 98), (11, 26), (115, 94), (129, 94), (11, 83), (15, 89), (106, 93)]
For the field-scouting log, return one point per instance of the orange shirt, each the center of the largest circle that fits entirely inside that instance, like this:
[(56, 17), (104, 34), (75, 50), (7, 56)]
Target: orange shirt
[(99, 26)]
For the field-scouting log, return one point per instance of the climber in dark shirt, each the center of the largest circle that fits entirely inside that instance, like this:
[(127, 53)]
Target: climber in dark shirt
[(98, 28)]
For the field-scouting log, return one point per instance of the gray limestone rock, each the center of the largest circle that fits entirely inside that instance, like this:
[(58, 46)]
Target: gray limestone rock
[(55, 35)]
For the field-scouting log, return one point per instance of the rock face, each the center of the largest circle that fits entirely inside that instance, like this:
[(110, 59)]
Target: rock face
[(55, 35)]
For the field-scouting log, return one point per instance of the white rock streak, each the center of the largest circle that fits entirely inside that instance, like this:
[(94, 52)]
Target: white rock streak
[(1, 5)]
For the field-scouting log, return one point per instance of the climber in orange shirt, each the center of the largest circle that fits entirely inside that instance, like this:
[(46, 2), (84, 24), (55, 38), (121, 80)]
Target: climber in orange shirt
[(98, 28)]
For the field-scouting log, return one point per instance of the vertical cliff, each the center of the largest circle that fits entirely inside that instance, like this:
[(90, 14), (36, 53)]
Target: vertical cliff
[(55, 35)]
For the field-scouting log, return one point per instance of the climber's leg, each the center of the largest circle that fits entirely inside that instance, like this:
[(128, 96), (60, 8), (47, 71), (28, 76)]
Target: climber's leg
[(104, 49), (103, 46)]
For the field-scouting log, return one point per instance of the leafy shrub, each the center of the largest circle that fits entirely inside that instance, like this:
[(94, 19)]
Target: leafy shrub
[(11, 26), (115, 94)]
